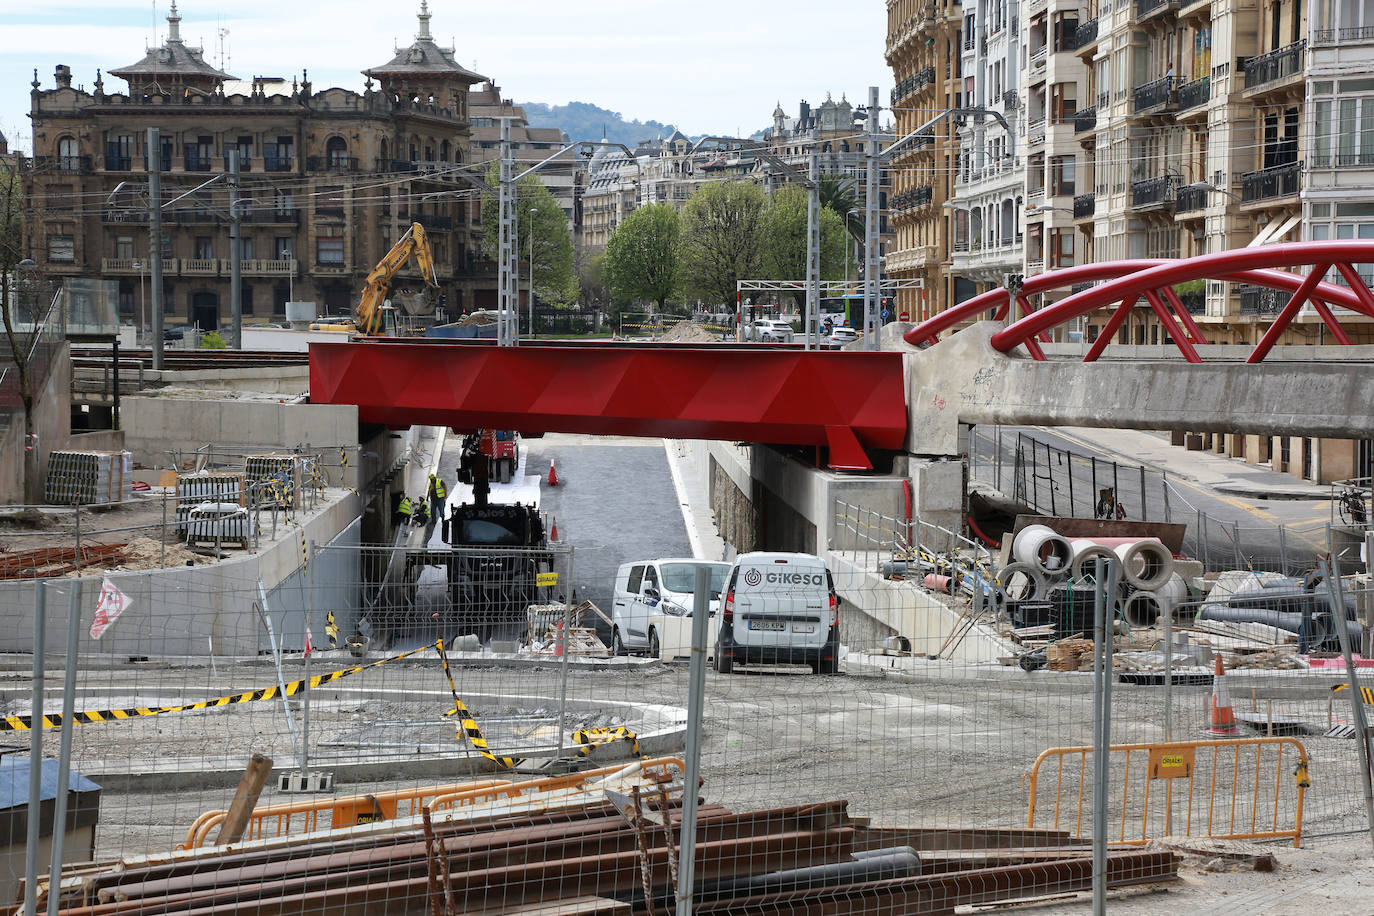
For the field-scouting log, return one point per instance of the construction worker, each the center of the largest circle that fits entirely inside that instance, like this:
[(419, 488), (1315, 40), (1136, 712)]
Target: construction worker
[(438, 495), (403, 510)]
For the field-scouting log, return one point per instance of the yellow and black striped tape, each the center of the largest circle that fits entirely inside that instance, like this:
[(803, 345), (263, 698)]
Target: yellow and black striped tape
[(1366, 693), (592, 738), (24, 723), (466, 722), (331, 629)]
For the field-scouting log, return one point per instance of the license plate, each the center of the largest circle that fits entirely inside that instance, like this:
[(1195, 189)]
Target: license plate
[(775, 625), (803, 628)]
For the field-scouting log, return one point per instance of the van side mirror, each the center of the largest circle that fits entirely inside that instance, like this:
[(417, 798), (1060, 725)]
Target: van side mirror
[(652, 593)]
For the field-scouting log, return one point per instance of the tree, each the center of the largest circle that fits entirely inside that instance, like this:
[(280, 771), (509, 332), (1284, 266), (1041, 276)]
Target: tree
[(720, 240), (783, 235), (642, 255), (12, 292), (838, 196), (554, 278)]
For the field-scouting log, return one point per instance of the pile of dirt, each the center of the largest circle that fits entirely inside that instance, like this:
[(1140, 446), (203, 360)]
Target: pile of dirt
[(146, 553), (689, 332), (481, 319)]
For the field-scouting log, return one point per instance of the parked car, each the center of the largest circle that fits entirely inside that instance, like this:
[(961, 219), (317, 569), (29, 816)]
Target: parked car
[(842, 335), (779, 608), (769, 330), (651, 608)]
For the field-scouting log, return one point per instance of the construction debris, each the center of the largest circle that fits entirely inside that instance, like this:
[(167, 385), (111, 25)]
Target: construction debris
[(689, 332), (556, 850)]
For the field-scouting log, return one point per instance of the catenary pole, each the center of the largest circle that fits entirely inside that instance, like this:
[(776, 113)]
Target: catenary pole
[(155, 238), (871, 225)]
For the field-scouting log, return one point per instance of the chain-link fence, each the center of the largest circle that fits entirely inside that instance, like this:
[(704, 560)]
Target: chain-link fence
[(922, 776)]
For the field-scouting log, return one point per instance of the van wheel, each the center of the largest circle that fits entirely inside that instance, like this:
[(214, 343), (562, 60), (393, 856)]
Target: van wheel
[(617, 647), (825, 666), (654, 648)]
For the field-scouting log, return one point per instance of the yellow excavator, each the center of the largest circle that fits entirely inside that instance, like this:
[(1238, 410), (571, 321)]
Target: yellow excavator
[(374, 315)]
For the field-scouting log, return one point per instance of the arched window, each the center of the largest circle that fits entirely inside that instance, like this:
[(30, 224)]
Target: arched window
[(385, 153), (336, 151), (68, 155)]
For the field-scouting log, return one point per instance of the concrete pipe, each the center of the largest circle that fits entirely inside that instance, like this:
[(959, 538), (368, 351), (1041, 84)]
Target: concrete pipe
[(1040, 547), (936, 583), (1145, 564), (1143, 609), (1022, 582), (1084, 553)]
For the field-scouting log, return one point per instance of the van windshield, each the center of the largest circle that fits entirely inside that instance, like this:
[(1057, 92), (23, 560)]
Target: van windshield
[(682, 577)]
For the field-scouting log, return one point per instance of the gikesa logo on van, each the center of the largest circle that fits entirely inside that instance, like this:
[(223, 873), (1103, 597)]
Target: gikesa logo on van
[(754, 578)]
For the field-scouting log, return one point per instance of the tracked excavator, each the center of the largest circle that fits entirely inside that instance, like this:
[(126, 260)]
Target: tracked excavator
[(374, 315)]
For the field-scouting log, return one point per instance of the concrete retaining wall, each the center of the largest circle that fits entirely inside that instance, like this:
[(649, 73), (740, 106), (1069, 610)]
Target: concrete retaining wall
[(191, 611)]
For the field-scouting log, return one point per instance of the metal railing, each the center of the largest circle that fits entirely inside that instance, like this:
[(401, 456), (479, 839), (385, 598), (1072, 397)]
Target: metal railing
[(1191, 95), (278, 163), (1154, 94), (1085, 120), (331, 164), (1278, 64), (1333, 36), (1084, 205), (1278, 181), (1187, 199), (1085, 35), (1146, 8), (1152, 192), (1252, 795)]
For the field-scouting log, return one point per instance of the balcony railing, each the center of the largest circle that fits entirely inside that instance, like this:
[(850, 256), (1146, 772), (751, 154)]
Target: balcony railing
[(970, 42), (206, 267), (1154, 94), (1152, 192), (1085, 35), (245, 163), (1187, 199), (1085, 120), (269, 215), (1038, 56), (62, 163), (1193, 303), (1084, 205), (912, 84), (196, 163), (1009, 100), (1191, 95), (1261, 300), (263, 267), (278, 163), (1341, 36), (331, 164), (119, 163), (916, 197), (1146, 8), (1265, 184), (1276, 65)]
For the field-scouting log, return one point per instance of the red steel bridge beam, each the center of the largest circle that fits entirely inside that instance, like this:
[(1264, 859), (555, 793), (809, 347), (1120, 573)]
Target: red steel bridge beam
[(849, 402)]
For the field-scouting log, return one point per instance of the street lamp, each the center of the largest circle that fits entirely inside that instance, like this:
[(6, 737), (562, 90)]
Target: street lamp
[(1208, 186), (531, 211)]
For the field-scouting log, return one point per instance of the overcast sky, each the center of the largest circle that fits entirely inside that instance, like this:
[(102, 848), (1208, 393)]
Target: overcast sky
[(710, 66)]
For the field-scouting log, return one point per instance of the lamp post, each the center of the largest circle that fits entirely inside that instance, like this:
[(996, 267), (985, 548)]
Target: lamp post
[(531, 211)]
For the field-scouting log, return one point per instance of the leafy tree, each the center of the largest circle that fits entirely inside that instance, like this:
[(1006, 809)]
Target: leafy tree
[(642, 256), (839, 195), (213, 341), (554, 278), (720, 240), (784, 239)]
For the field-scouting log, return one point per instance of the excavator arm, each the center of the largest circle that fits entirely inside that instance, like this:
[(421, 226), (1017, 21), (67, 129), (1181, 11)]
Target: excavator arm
[(378, 284)]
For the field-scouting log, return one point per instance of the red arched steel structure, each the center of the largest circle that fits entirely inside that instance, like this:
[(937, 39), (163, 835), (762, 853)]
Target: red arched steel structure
[(1128, 281)]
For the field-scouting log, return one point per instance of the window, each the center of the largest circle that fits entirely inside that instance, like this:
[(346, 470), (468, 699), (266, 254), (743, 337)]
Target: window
[(124, 247), (330, 201), (336, 149), (68, 155), (1061, 247), (331, 250), (1062, 175), (1343, 128), (244, 145), (278, 156), (246, 249), (246, 299), (119, 153), (61, 249), (205, 247), (198, 153), (126, 298), (285, 248)]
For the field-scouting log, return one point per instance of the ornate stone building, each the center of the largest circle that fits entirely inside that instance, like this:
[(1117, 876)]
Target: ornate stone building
[(329, 180)]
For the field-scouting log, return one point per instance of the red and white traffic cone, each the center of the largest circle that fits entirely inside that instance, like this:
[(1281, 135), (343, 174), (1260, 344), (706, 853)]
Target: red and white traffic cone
[(553, 474), (1223, 723), (553, 529)]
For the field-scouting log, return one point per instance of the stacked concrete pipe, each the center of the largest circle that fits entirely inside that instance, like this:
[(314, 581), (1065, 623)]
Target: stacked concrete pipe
[(1146, 564), (1144, 608), (1039, 547)]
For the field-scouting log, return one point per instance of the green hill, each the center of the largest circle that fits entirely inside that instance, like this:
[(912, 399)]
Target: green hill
[(585, 121)]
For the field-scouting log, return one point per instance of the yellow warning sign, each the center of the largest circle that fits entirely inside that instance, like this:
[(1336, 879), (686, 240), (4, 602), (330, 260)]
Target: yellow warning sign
[(1171, 761), (545, 579)]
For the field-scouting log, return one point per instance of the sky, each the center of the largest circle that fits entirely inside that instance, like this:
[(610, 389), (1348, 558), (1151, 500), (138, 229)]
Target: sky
[(710, 66)]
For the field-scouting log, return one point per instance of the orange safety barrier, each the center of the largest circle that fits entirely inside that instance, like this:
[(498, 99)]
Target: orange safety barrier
[(347, 811), (1231, 789), (656, 768)]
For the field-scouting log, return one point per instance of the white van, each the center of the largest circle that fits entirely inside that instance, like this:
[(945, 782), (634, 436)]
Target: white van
[(779, 608), (652, 609)]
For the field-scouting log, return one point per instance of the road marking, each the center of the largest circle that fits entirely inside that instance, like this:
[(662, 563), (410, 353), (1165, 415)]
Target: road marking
[(692, 537)]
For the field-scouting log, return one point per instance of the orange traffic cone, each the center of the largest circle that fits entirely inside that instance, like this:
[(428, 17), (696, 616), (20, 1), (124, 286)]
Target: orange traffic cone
[(553, 474), (553, 529), (1223, 715)]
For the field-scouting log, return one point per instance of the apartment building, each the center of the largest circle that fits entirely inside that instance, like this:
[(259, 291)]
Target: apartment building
[(923, 49), (990, 182), (530, 146), (329, 180)]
